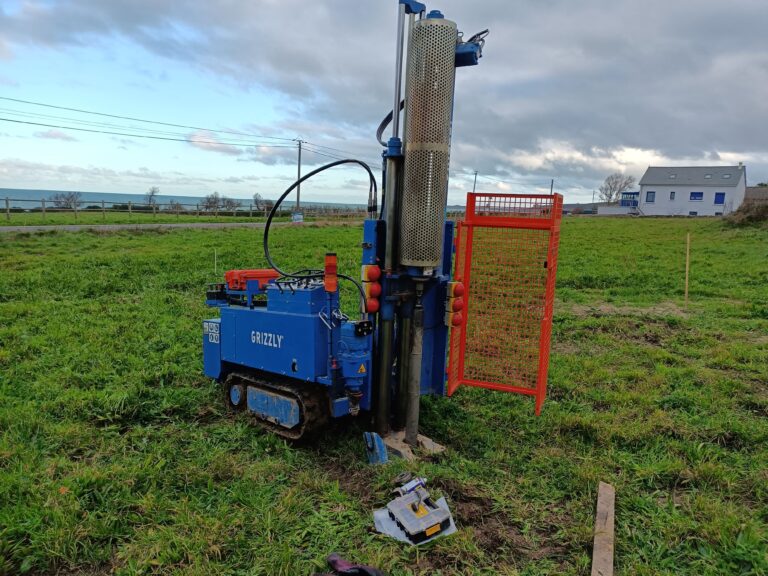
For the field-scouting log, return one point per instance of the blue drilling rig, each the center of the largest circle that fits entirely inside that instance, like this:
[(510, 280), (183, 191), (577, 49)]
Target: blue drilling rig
[(283, 349)]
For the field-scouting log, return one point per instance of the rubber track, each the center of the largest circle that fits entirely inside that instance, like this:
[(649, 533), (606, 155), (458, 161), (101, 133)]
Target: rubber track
[(311, 398)]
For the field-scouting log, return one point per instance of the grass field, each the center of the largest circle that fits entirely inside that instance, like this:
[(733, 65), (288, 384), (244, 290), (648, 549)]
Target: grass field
[(95, 217), (114, 217), (116, 454)]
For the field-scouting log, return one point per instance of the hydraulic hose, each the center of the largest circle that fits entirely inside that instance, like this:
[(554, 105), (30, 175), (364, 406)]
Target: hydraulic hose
[(385, 123), (309, 274)]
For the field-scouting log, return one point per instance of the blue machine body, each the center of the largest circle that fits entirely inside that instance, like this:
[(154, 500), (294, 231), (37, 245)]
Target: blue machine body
[(297, 331)]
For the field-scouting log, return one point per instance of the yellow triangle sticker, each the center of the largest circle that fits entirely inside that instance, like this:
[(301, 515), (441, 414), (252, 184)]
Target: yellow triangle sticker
[(361, 370)]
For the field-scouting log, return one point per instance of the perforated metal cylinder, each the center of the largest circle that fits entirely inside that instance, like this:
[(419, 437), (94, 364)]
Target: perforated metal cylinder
[(429, 91)]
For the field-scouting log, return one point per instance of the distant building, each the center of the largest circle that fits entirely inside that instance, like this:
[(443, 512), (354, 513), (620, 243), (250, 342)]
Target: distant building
[(692, 190), (626, 206)]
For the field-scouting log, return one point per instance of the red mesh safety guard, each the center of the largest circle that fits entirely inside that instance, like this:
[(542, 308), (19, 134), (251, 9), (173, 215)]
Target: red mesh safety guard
[(506, 256)]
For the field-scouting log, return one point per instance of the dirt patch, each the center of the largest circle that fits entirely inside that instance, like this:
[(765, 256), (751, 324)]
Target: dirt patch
[(755, 405), (760, 340), (355, 482), (567, 347), (604, 309), (673, 498), (89, 571), (493, 531)]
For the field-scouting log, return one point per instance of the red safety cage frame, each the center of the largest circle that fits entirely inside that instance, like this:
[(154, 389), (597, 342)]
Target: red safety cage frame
[(506, 256)]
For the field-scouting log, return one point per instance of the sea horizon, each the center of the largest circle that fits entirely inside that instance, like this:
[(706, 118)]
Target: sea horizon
[(30, 198)]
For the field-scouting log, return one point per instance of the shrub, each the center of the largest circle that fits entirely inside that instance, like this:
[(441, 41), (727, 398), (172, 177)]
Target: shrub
[(749, 214)]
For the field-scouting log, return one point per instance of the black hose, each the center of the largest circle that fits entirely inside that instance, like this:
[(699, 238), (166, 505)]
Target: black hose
[(314, 273), (385, 123)]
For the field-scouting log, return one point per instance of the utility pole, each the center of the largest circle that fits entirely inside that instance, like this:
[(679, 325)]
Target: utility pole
[(551, 185), (298, 177), (474, 184), (593, 196)]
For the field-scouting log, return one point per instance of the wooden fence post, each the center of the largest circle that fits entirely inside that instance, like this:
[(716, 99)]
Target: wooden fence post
[(103, 212), (154, 211), (130, 209), (43, 202), (7, 208), (197, 208), (250, 210), (177, 210), (76, 203), (687, 264)]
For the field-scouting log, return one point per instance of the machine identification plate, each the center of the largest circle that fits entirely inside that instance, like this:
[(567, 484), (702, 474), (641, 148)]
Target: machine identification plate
[(212, 329)]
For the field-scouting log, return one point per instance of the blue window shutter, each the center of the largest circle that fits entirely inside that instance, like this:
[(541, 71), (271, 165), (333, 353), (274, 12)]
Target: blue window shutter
[(720, 198)]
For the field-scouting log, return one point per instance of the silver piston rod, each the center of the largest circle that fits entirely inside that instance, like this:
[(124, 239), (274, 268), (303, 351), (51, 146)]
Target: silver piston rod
[(387, 324)]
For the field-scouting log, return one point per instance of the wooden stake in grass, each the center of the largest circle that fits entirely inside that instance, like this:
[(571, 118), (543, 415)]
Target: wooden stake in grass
[(687, 264), (602, 550)]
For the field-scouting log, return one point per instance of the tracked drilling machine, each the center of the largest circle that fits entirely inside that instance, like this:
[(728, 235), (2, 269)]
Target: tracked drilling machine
[(284, 351)]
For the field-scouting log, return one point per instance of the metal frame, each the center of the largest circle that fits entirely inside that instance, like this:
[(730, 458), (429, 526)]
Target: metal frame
[(530, 224)]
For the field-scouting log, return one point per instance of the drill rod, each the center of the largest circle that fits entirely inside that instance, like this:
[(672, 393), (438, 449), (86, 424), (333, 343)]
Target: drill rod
[(403, 360), (414, 380)]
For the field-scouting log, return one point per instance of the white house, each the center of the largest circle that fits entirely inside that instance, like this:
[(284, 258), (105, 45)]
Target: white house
[(692, 190)]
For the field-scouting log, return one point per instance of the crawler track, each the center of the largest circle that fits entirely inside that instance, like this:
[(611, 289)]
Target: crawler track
[(311, 398)]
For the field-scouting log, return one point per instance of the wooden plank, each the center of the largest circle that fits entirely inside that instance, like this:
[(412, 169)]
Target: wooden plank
[(602, 551)]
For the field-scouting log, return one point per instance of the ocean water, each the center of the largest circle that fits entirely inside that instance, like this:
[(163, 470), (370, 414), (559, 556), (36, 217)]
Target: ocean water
[(23, 198)]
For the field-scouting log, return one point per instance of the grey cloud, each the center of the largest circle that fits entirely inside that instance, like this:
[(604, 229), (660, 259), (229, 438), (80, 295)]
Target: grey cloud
[(205, 140), (54, 134), (575, 84), (126, 143)]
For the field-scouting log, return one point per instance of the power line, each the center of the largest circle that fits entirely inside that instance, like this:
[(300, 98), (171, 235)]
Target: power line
[(495, 179), (107, 125), (347, 152), (134, 119), (311, 148), (148, 136), (117, 130), (323, 153)]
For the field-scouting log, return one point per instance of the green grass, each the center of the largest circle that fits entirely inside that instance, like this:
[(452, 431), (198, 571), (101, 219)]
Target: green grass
[(116, 454), (95, 217), (114, 217)]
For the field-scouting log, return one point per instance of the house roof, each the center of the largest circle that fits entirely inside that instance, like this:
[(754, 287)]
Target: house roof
[(719, 176)]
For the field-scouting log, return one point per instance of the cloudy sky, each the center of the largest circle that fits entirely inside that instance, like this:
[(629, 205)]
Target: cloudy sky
[(565, 90)]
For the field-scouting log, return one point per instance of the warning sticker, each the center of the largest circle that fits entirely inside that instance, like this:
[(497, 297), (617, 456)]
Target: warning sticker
[(362, 369)]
